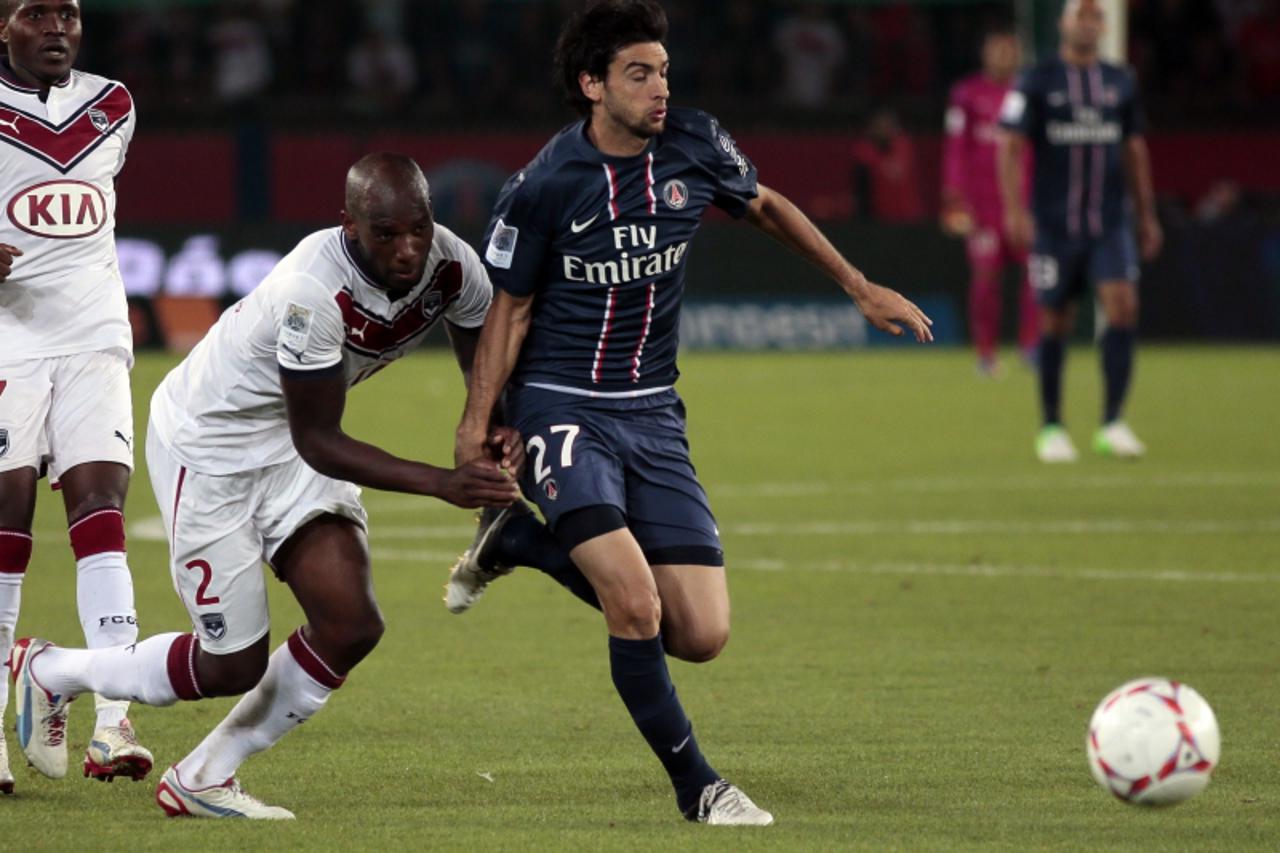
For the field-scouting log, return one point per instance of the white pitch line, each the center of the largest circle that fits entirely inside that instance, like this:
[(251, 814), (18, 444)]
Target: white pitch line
[(391, 504), (151, 530), (924, 527), (804, 488), (981, 570), (993, 570)]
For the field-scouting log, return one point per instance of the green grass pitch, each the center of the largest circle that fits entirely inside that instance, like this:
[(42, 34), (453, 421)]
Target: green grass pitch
[(924, 618)]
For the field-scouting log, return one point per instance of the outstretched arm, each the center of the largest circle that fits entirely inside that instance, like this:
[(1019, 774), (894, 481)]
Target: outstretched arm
[(314, 404), (504, 331), (776, 216)]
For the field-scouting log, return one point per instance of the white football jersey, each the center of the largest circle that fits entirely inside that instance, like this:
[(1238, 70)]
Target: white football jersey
[(222, 411), (58, 162)]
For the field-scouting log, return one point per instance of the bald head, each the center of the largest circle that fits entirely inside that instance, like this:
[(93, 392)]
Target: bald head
[(385, 181)]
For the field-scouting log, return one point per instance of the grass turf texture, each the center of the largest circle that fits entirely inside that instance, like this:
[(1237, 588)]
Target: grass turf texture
[(924, 618)]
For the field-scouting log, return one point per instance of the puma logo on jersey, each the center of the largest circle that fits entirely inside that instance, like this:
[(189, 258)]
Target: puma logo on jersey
[(128, 442), (12, 123), (358, 333), (577, 228)]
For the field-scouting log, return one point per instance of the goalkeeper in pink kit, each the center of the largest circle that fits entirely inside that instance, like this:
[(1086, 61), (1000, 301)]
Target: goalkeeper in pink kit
[(971, 204)]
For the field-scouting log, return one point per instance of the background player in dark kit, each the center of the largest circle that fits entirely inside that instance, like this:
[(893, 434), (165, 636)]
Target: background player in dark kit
[(586, 251), (1082, 119)]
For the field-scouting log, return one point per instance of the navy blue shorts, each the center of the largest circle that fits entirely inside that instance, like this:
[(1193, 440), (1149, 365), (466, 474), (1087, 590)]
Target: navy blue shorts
[(630, 454), (1062, 269)]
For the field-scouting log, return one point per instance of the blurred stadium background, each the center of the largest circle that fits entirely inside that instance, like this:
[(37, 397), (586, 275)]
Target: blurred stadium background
[(249, 113)]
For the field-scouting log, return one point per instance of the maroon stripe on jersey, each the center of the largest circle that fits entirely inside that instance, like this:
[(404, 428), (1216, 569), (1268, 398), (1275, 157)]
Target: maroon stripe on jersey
[(65, 145), (1075, 181), (605, 328), (612, 177), (1099, 158), (644, 332), (373, 336), (648, 185)]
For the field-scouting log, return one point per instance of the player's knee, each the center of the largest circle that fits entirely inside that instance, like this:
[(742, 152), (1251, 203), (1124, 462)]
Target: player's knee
[(350, 642), (634, 615), (700, 646)]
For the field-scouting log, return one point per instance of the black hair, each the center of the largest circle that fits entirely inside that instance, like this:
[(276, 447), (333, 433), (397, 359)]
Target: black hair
[(999, 26), (592, 37)]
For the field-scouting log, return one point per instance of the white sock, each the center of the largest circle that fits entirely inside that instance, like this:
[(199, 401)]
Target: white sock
[(10, 599), (285, 698), (104, 593), (138, 672)]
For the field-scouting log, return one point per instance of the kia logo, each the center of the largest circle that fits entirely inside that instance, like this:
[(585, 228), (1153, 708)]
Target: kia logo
[(59, 209)]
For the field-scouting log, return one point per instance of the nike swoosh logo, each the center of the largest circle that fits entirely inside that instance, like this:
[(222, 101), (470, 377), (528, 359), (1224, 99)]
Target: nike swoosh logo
[(576, 228), (681, 744)]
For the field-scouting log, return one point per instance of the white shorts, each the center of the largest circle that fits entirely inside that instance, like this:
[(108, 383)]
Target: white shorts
[(221, 528), (64, 411)]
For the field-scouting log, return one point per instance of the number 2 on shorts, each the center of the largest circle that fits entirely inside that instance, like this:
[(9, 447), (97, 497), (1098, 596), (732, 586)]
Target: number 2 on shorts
[(538, 447), (202, 598)]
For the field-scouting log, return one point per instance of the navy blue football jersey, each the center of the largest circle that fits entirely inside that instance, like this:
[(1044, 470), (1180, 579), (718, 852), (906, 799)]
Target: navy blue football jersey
[(1076, 119), (602, 243)]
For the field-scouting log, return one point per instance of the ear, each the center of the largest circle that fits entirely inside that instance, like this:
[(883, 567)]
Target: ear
[(592, 87), (349, 226)]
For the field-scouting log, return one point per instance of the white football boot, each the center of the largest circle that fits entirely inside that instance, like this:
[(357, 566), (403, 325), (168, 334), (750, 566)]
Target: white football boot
[(115, 751), (225, 800), (724, 804), (1054, 446), (478, 567), (41, 715), (1118, 441)]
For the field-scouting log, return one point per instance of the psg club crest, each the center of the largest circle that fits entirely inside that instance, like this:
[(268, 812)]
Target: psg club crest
[(99, 119), (552, 490), (214, 625), (4, 442), (675, 194)]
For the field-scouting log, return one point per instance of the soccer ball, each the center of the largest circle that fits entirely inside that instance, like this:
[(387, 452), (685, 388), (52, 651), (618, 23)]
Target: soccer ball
[(1153, 741)]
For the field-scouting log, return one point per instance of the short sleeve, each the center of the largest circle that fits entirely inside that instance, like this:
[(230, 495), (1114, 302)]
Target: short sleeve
[(1133, 119), (472, 304), (126, 130), (308, 326), (517, 238), (735, 175), (1021, 109)]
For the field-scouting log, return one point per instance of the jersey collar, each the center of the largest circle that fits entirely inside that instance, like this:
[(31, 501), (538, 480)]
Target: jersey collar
[(357, 261), (10, 78), (582, 144)]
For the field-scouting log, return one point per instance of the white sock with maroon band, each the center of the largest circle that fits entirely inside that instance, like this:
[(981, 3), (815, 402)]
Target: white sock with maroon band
[(296, 685), (15, 554), (160, 670), (104, 592)]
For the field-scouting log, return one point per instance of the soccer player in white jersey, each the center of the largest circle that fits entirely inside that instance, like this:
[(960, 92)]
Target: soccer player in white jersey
[(65, 343), (249, 462)]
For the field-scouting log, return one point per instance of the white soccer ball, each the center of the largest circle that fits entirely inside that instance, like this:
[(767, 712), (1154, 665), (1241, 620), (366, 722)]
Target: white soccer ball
[(1153, 741)]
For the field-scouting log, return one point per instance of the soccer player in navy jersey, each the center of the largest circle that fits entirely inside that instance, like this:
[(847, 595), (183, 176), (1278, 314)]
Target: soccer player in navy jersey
[(1082, 119), (587, 250)]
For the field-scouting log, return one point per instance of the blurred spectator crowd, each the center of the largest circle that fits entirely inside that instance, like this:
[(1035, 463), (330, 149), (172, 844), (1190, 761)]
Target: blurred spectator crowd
[(754, 62)]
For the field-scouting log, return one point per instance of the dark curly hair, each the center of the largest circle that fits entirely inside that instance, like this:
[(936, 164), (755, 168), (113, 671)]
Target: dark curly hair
[(592, 37)]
